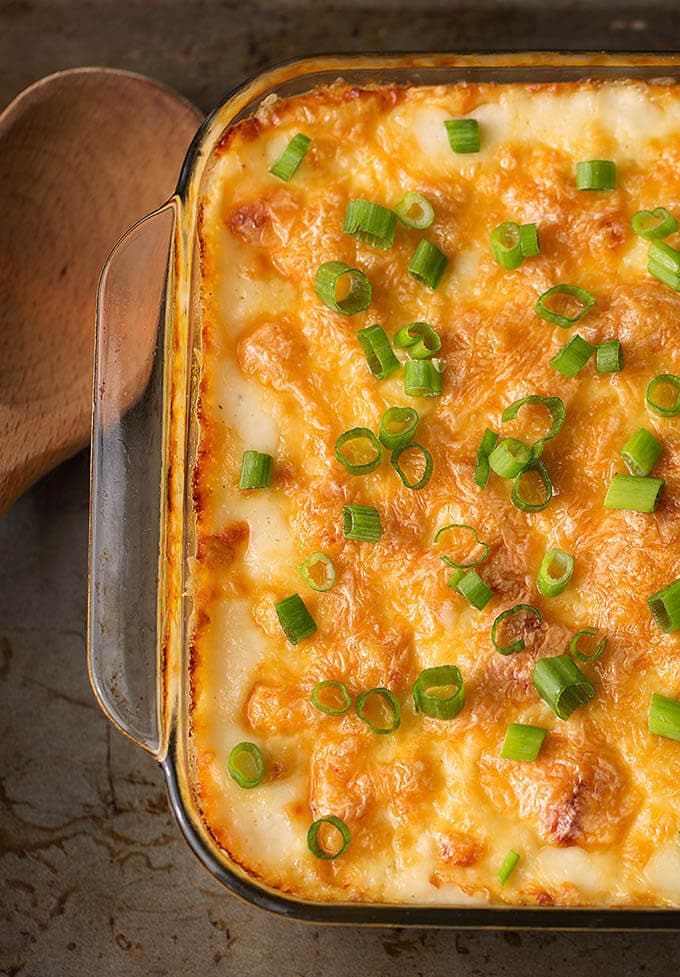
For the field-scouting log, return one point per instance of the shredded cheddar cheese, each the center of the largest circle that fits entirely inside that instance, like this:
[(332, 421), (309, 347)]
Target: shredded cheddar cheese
[(432, 808)]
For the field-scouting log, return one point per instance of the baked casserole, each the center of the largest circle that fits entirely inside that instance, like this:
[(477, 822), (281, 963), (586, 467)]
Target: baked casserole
[(436, 495)]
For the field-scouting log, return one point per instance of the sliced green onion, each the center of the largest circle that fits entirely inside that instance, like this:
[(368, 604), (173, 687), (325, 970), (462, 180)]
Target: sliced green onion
[(610, 356), (664, 717), (414, 210), (664, 274), (246, 765), (573, 356), (379, 354), (506, 246), (428, 264), (509, 457), (586, 300), (422, 379), (295, 620), (641, 452), (561, 683), (397, 427), (554, 406), (555, 572), (665, 607), (427, 470), (371, 223), (313, 837), (435, 705), (523, 742), (389, 704), (361, 522), (463, 135), (256, 470), (421, 340), (472, 587), (578, 655), (343, 699), (633, 494), (482, 468), (516, 497), (596, 174), (528, 240), (309, 571), (359, 434), (329, 276), (508, 867), (519, 644), (449, 561), (661, 409), (286, 165), (664, 256), (455, 579), (654, 224)]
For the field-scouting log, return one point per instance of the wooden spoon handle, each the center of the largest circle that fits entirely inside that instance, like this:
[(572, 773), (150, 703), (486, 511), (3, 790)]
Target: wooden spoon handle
[(129, 483)]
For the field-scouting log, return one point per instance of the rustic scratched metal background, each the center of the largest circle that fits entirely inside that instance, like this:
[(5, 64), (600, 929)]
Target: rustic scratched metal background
[(94, 878)]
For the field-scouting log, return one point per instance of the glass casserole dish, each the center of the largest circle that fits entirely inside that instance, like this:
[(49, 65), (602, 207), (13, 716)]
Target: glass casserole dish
[(143, 443)]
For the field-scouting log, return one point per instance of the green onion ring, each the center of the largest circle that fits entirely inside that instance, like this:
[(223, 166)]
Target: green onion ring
[(336, 686), (236, 774), (432, 705), (463, 566), (578, 655), (516, 496), (392, 703), (359, 434), (672, 381), (503, 616), (313, 837), (429, 465), (407, 418), (564, 321)]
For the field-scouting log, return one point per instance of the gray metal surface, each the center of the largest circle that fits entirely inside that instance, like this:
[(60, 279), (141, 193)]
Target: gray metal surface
[(94, 878)]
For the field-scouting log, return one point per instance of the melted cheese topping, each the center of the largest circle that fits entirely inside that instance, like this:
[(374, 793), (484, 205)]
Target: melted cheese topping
[(433, 809)]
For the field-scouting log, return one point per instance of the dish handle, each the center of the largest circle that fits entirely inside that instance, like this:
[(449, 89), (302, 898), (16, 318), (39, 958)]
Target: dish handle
[(127, 495)]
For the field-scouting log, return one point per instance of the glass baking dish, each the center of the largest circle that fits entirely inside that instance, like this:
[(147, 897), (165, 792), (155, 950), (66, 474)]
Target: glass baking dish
[(142, 440)]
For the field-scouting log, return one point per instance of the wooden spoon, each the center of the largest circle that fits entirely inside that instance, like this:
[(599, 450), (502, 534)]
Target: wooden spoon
[(83, 155)]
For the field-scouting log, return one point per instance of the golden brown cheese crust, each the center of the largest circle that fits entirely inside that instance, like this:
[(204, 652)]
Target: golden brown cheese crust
[(433, 808)]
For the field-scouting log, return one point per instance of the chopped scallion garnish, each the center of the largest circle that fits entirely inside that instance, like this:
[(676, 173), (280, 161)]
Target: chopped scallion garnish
[(428, 464), (573, 356), (422, 378), (331, 697), (323, 850), (633, 493), (554, 406), (361, 522), (385, 710), (596, 174), (470, 585), (420, 339), (509, 457), (664, 407), (458, 563), (372, 446), (397, 427), (246, 765), (641, 452), (522, 742), (528, 239), (555, 572), (379, 354), (286, 165), (506, 246), (561, 683), (318, 572), (256, 470), (610, 356), (428, 689), (518, 644), (525, 504), (371, 223), (463, 135), (295, 620), (575, 652), (584, 300), (328, 280), (654, 224), (482, 468), (508, 866), (414, 210), (665, 607), (664, 717), (428, 264)]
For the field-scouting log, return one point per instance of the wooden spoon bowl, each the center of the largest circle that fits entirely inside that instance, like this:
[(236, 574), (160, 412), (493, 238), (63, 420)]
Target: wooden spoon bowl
[(83, 155)]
